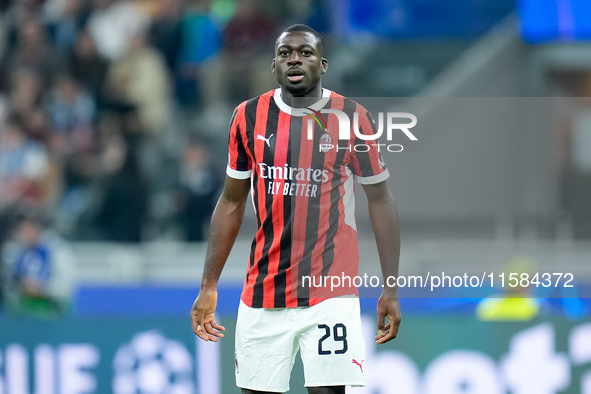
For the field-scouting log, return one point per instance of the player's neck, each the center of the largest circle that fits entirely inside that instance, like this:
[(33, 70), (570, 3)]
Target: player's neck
[(301, 101)]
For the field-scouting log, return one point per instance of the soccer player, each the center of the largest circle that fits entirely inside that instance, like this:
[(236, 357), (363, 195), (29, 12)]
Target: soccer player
[(285, 148)]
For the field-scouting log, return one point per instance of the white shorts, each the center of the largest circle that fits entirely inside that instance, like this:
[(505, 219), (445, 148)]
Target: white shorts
[(328, 336)]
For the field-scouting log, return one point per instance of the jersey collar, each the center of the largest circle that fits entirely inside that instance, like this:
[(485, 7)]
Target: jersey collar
[(318, 105)]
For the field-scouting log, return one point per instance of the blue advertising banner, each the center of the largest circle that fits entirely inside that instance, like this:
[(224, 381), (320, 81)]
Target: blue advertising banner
[(435, 354)]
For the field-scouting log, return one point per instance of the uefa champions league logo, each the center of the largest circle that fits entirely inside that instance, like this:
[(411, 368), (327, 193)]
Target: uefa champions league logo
[(153, 364)]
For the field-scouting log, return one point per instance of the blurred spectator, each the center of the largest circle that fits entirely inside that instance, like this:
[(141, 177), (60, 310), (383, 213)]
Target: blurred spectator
[(38, 127), (86, 66), (24, 167), (6, 224), (3, 35), (137, 88), (15, 13), (199, 186), (72, 114), (64, 19), (39, 270), (25, 93), (3, 111), (247, 39), (112, 26), (34, 52), (201, 42), (165, 31), (79, 172), (120, 214), (249, 30), (140, 79)]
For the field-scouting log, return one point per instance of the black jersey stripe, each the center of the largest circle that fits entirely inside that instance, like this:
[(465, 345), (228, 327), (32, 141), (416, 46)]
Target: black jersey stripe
[(295, 140), (286, 242), (312, 223), (250, 120), (268, 225), (242, 162), (250, 117)]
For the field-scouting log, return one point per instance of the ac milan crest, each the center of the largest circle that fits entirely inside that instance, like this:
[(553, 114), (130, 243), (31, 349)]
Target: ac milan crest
[(326, 142)]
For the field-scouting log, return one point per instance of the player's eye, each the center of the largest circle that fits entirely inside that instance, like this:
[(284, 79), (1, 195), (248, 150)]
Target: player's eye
[(306, 53), (283, 53)]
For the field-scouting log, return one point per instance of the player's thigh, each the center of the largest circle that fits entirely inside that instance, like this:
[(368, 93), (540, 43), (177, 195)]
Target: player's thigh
[(247, 391), (327, 390), (265, 349), (332, 347)]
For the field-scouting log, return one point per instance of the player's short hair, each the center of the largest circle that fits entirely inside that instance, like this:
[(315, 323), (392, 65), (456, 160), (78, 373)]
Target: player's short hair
[(306, 29)]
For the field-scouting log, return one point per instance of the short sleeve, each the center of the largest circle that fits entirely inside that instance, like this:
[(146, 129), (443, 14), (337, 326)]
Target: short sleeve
[(366, 161), (239, 163)]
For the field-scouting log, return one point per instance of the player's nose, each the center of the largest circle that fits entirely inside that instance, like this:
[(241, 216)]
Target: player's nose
[(294, 59)]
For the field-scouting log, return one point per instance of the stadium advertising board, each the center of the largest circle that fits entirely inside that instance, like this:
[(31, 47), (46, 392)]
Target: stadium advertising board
[(443, 355)]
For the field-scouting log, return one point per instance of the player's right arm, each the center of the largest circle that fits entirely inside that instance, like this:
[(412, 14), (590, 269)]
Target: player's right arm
[(225, 224)]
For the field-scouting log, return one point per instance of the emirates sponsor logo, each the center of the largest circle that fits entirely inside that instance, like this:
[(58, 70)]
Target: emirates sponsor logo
[(293, 173), (293, 181)]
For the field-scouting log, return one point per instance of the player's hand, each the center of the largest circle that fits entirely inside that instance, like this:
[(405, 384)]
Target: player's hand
[(202, 316), (388, 307)]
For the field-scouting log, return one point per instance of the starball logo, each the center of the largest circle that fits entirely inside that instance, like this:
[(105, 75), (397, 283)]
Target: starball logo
[(344, 123)]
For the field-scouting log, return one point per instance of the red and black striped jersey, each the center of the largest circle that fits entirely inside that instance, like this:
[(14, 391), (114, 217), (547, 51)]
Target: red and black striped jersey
[(302, 188)]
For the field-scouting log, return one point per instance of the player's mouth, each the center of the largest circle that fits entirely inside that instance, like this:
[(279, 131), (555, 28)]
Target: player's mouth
[(295, 75)]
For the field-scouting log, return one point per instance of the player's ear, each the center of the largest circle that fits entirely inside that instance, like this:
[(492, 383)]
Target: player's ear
[(324, 65), (273, 66)]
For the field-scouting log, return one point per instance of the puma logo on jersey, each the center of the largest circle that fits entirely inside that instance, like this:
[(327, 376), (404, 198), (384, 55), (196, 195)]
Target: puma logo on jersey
[(267, 140), (360, 364)]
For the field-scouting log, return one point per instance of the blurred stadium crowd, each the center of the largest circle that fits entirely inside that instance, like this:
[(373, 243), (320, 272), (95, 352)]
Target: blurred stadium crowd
[(102, 129), (101, 105)]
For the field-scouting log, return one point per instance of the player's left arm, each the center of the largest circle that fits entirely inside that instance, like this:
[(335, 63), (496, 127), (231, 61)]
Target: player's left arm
[(386, 228)]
